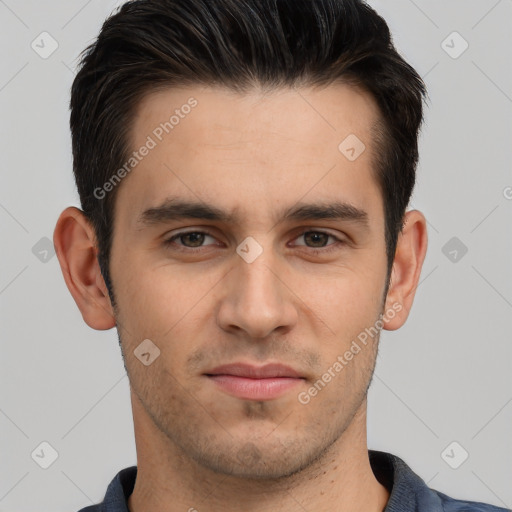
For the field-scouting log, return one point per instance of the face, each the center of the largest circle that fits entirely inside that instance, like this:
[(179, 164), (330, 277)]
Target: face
[(280, 260)]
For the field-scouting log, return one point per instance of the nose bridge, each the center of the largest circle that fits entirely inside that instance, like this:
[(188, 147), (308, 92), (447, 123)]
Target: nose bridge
[(256, 300), (258, 284)]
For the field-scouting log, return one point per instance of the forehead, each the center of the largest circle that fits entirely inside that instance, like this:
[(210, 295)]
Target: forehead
[(219, 114), (257, 148)]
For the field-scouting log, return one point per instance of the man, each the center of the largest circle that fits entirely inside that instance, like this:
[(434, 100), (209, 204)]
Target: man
[(244, 169)]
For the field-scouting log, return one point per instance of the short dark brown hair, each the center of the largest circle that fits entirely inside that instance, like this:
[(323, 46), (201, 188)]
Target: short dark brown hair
[(239, 44)]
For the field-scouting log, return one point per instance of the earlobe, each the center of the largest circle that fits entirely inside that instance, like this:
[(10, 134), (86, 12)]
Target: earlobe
[(407, 264), (75, 245)]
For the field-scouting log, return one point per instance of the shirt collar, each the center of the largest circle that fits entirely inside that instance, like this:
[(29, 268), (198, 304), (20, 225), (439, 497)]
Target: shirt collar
[(407, 490)]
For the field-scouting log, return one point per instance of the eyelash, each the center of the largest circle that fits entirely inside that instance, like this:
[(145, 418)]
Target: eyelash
[(322, 250)]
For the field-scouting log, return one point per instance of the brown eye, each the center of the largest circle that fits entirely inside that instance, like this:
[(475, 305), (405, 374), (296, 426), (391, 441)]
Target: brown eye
[(189, 240), (194, 239), (317, 242), (316, 238)]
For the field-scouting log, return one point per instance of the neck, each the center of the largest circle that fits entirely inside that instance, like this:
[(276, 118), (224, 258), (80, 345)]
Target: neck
[(169, 481)]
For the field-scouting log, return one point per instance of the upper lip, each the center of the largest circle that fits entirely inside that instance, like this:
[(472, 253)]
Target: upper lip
[(255, 372)]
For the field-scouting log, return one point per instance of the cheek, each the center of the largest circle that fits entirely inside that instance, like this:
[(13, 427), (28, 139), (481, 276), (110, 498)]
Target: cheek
[(155, 302), (168, 308), (347, 301)]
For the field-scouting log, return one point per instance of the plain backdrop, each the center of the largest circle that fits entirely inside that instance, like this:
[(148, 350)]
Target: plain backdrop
[(441, 397)]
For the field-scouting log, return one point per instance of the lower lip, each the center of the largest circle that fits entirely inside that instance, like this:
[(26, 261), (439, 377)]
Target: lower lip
[(255, 389)]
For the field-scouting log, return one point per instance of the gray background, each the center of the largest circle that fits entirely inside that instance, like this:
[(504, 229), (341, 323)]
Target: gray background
[(445, 376)]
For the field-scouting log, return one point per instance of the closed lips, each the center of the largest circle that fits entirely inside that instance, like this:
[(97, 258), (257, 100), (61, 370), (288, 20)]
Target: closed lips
[(254, 372)]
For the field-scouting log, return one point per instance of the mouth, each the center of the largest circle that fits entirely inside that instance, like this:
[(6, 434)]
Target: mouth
[(250, 382)]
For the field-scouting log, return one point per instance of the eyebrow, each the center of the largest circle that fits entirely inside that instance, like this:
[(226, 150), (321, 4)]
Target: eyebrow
[(178, 209)]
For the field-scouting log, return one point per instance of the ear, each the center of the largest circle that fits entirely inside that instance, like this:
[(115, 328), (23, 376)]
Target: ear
[(409, 256), (75, 244)]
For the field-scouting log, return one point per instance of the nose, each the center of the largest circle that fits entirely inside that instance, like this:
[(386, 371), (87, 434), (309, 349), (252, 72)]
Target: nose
[(256, 299)]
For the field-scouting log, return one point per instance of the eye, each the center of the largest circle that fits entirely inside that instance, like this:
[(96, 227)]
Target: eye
[(318, 241), (189, 240), (193, 241)]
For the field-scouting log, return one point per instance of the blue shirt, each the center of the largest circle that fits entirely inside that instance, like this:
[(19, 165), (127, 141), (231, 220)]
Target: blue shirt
[(408, 492)]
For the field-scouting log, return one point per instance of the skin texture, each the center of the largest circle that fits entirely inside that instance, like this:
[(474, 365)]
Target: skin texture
[(253, 155)]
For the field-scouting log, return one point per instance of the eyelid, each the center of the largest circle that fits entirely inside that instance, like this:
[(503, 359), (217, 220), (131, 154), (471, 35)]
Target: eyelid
[(316, 231)]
